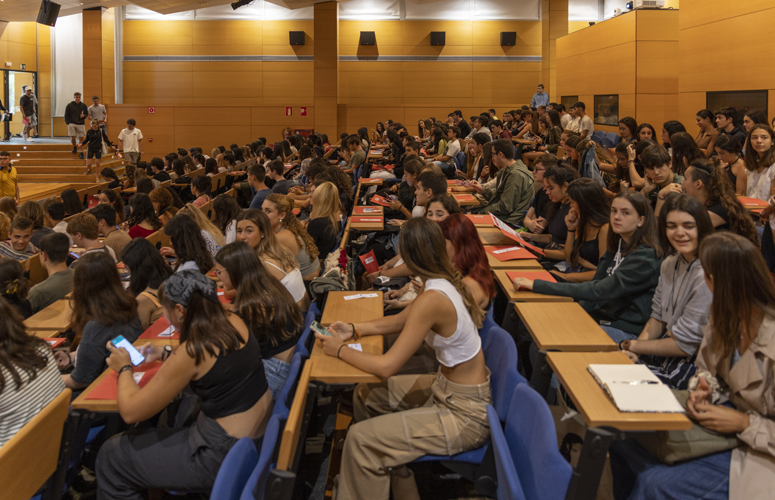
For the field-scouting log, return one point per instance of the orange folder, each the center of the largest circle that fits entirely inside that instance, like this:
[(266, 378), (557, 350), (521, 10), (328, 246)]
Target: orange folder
[(509, 252), (108, 388), (156, 328)]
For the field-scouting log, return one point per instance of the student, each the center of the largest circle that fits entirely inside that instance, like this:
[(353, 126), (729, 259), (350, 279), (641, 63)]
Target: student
[(72, 202), (188, 245), (535, 218), (510, 199), (587, 226), (144, 184), (753, 117), (265, 305), (163, 204), (276, 171), (355, 155), (440, 207), (33, 211), (254, 228), (586, 125), (142, 220), (211, 167), (706, 139), (446, 160), (659, 175), (147, 270), (226, 213), (628, 129), (130, 142), (29, 378), (619, 296), (760, 162), (210, 232), (292, 235), (53, 257), (324, 220), (429, 184), (707, 183), (109, 197), (439, 414), (668, 129), (256, 175), (200, 188), (18, 246), (683, 151), (731, 392), (646, 131), (157, 167), (725, 123), (730, 154), (219, 361), (85, 232), (94, 138), (8, 207), (181, 176), (55, 214), (113, 237), (14, 287)]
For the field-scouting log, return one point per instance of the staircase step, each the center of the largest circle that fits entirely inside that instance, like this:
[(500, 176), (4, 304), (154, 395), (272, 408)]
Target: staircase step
[(63, 162), (64, 170), (31, 146), (58, 178), (45, 155)]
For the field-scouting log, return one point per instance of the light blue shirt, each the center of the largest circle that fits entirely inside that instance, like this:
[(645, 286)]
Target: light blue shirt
[(539, 100)]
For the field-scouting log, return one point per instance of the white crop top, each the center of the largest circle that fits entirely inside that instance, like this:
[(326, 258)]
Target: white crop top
[(292, 281), (465, 343)]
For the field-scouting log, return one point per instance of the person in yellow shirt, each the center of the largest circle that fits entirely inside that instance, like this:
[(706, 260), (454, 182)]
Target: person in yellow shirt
[(8, 180)]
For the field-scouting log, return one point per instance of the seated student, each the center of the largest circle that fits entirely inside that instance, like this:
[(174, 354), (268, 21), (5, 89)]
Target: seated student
[(211, 167), (180, 173), (760, 162), (53, 257), (14, 287), (446, 160), (254, 228), (706, 138), (29, 379), (513, 191), (33, 211), (499, 131), (144, 185), (730, 155), (730, 393), (113, 237), (405, 190), (226, 212), (220, 362), (129, 177), (256, 176), (354, 155), (588, 226), (669, 128), (428, 185), (276, 171), (659, 175), (8, 206), (111, 198), (343, 183), (109, 175), (142, 220), (18, 246), (441, 206), (646, 131), (556, 180), (725, 124), (619, 296), (535, 218), (147, 272), (479, 126), (681, 305), (444, 411), (163, 204), (188, 245), (324, 220), (212, 235), (292, 235), (55, 214), (200, 188), (73, 204), (159, 174), (683, 151), (265, 305), (85, 232), (97, 318), (707, 183)]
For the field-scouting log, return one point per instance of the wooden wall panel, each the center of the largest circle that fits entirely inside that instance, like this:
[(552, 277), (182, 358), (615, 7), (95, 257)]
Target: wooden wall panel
[(45, 124)]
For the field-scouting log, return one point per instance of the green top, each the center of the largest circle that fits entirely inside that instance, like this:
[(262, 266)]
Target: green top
[(53, 288), (513, 193)]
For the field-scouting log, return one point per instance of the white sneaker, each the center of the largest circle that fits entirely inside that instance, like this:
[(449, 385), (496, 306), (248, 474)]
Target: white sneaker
[(30, 139)]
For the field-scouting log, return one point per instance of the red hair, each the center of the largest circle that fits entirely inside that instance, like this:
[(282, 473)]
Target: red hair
[(470, 257)]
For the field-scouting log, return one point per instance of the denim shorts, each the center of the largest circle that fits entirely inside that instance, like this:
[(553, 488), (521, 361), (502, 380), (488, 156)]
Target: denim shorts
[(277, 372)]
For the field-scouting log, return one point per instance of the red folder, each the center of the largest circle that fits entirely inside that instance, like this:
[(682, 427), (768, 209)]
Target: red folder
[(464, 197), (366, 210), (509, 252), (379, 200), (54, 343), (480, 219), (507, 231), (223, 298), (367, 220), (155, 329), (531, 275), (370, 262), (108, 388), (296, 211), (752, 202)]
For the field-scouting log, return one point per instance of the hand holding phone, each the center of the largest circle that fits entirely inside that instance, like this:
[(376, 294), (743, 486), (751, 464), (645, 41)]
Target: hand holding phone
[(317, 327), (134, 354)]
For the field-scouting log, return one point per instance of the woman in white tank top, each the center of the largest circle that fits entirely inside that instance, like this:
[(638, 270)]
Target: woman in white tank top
[(409, 416)]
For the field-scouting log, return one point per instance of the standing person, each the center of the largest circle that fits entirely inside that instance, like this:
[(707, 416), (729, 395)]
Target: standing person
[(27, 106), (98, 112), (130, 141), (94, 138), (9, 185), (75, 113), (540, 98)]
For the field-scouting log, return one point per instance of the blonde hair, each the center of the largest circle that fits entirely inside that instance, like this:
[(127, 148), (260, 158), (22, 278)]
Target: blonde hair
[(284, 205), (5, 226), (325, 203), (431, 167), (215, 152), (203, 222), (94, 122), (269, 245)]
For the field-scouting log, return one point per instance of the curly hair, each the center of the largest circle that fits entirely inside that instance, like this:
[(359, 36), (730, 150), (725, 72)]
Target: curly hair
[(284, 204), (142, 211)]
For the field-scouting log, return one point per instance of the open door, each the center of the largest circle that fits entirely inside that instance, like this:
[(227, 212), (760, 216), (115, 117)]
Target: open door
[(16, 80)]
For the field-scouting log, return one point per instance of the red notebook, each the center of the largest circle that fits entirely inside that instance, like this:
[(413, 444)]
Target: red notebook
[(366, 220), (507, 231), (223, 298), (480, 219), (531, 275), (370, 262), (108, 388), (752, 202), (54, 343), (509, 252), (158, 327), (367, 210), (296, 211), (379, 200), (464, 197)]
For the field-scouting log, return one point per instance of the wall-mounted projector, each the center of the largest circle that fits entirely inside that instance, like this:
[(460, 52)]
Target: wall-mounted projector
[(649, 4)]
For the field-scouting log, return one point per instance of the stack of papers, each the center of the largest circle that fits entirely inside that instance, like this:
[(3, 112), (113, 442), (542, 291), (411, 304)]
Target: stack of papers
[(634, 388)]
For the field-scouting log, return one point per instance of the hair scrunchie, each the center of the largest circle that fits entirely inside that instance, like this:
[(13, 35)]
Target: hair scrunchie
[(181, 286), (13, 287)]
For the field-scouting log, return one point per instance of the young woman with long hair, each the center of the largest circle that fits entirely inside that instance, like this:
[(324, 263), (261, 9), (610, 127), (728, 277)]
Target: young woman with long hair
[(254, 228), (142, 220), (730, 155), (628, 129), (441, 206), (163, 204), (291, 234), (706, 138), (681, 305), (587, 224), (468, 256), (226, 212), (379, 134), (646, 131), (72, 201), (210, 232), (147, 271), (760, 162), (619, 296), (188, 245), (110, 197), (220, 362), (684, 151), (668, 129), (97, 318), (731, 393), (446, 316), (324, 220), (14, 287), (571, 158), (707, 183), (266, 307), (754, 117)]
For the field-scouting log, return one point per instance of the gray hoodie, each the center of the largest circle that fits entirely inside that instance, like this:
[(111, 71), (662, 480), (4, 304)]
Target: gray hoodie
[(682, 301)]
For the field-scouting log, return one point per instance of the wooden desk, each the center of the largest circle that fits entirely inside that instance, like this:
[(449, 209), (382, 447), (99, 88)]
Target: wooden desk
[(331, 370), (369, 226), (493, 236), (595, 405), (523, 141), (474, 202), (370, 182), (368, 211), (510, 265), (54, 318), (563, 326), (351, 311), (524, 296)]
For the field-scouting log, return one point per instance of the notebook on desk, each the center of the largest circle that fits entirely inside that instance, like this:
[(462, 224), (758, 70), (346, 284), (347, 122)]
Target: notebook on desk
[(635, 389)]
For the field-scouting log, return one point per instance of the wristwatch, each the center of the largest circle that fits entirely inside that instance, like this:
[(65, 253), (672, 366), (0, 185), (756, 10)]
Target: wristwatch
[(166, 353)]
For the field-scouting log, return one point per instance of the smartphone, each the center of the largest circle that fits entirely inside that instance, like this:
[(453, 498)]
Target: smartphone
[(134, 354), (318, 328), (74, 255)]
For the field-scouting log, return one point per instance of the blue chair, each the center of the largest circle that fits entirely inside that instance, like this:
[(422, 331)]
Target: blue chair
[(301, 345), (283, 406), (597, 140), (532, 439), (599, 133), (266, 460), (606, 142), (614, 138), (487, 324), (509, 487), (235, 470)]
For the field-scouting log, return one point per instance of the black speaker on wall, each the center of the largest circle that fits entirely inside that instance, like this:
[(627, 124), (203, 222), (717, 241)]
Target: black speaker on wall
[(297, 37), (508, 38), (368, 38), (438, 37), (48, 13)]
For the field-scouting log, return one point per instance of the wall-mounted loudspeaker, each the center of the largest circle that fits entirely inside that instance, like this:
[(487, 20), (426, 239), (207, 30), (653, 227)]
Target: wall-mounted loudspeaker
[(438, 37), (48, 13), (297, 37), (368, 38), (508, 38)]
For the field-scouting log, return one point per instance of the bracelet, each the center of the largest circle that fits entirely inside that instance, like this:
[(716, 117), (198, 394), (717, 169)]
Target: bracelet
[(630, 161), (125, 368), (356, 334), (339, 350), (569, 231)]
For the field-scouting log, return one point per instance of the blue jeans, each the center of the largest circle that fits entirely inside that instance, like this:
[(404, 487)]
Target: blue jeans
[(276, 374), (444, 166), (618, 335), (640, 476)]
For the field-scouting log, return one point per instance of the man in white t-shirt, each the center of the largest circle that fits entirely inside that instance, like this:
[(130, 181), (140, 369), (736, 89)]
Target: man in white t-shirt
[(130, 141), (586, 126), (98, 112), (446, 161), (565, 117)]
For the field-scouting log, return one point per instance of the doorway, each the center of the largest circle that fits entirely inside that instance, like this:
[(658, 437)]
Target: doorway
[(15, 82)]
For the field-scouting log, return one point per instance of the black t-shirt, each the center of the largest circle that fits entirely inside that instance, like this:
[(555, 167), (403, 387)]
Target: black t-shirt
[(465, 128), (114, 184), (557, 227), (324, 233), (282, 186), (27, 104), (161, 176), (718, 209), (541, 203)]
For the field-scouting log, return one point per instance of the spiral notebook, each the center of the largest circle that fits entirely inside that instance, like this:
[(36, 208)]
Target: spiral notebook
[(635, 389)]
